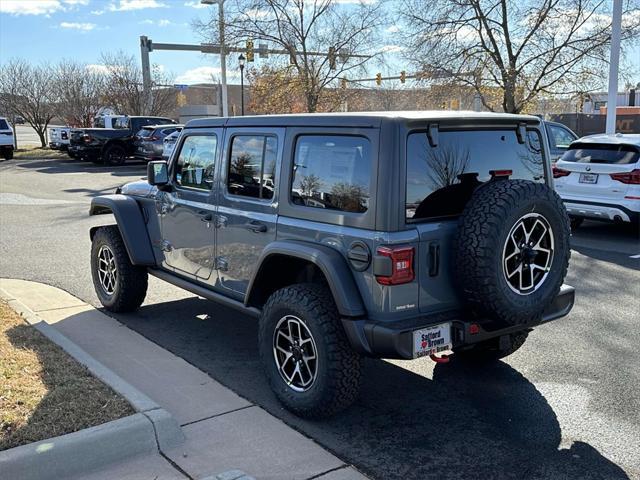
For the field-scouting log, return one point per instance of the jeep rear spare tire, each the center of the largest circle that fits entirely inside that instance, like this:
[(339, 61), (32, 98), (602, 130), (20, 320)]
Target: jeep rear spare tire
[(511, 251)]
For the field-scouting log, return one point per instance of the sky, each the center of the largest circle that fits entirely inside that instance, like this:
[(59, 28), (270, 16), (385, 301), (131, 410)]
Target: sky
[(50, 30)]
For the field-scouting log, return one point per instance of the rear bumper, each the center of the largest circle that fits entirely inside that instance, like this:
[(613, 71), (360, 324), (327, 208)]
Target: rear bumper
[(604, 211), (395, 339)]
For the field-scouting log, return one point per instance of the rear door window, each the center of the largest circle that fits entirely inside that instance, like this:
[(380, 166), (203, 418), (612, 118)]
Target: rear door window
[(332, 172), (252, 166), (441, 179), (601, 153)]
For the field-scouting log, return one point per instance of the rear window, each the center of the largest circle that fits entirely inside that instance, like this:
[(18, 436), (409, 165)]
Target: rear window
[(441, 179), (601, 153), (332, 172), (3, 124)]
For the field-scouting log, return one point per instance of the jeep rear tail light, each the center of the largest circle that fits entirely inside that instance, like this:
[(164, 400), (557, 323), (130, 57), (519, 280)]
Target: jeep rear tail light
[(559, 172), (86, 138), (630, 178), (401, 265)]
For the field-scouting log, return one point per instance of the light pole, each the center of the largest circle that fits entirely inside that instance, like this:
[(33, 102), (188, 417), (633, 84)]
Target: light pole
[(241, 63), (223, 60), (616, 27)]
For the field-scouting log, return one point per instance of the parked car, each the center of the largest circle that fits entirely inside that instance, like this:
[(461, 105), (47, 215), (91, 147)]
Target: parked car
[(100, 121), (149, 141), (18, 120), (560, 137), (599, 178), (6, 139), (395, 235), (169, 143), (59, 138), (111, 146)]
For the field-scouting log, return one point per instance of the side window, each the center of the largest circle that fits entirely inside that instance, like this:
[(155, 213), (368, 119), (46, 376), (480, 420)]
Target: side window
[(561, 137), (332, 172), (252, 166), (196, 162)]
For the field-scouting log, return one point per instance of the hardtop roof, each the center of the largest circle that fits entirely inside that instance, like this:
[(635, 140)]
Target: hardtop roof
[(611, 139), (360, 119)]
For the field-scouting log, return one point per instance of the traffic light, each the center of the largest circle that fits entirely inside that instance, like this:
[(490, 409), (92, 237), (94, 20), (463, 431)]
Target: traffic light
[(332, 58), (378, 79), (343, 83), (403, 76), (249, 51)]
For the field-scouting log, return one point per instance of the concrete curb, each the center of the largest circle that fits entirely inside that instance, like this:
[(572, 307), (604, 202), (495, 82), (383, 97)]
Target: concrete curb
[(151, 429)]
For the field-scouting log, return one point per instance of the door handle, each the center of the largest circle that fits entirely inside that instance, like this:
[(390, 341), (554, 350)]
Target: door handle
[(256, 227), (205, 216)]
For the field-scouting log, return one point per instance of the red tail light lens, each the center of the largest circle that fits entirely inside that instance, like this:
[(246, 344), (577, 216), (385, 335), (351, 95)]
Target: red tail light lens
[(86, 138), (401, 265), (559, 172), (630, 178)]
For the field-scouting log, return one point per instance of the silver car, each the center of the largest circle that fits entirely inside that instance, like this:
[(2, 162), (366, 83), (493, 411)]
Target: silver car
[(169, 143)]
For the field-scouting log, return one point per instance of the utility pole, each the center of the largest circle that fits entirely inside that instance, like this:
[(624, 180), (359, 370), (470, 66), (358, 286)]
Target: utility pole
[(223, 53), (614, 60), (146, 74)]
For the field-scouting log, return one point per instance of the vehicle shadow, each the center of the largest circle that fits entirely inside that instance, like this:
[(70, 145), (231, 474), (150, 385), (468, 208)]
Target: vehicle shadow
[(464, 422), (609, 242), (71, 165)]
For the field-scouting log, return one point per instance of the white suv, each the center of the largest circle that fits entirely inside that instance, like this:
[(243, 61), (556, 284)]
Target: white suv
[(6, 139), (598, 177)]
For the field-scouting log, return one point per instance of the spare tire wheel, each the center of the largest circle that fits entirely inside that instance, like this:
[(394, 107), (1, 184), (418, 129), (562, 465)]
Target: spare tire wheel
[(511, 250)]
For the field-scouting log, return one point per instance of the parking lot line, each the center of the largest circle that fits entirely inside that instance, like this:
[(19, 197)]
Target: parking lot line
[(634, 256)]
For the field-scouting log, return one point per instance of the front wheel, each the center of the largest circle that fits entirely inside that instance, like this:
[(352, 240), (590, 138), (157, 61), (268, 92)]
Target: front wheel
[(492, 350), (114, 155), (305, 353), (120, 285)]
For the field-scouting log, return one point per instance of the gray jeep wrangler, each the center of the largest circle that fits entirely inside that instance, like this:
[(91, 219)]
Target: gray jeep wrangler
[(394, 235)]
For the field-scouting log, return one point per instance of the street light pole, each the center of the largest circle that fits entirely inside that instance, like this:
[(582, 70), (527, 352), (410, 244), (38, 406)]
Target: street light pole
[(241, 60), (223, 60), (614, 60)]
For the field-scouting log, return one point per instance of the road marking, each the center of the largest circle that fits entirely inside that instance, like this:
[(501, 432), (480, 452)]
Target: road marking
[(634, 256)]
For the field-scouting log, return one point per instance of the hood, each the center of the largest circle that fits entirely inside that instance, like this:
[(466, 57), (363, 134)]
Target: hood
[(139, 188)]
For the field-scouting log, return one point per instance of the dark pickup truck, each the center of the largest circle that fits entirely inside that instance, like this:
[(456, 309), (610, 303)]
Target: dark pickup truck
[(111, 146)]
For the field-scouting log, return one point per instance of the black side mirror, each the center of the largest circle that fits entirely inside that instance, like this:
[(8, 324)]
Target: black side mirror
[(157, 173)]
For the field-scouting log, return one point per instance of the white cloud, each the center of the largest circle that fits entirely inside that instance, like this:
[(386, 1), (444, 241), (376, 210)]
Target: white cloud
[(40, 7), (205, 75), (127, 5), (97, 68), (37, 7), (392, 48), (392, 29), (85, 27), (97, 12), (161, 23), (195, 4)]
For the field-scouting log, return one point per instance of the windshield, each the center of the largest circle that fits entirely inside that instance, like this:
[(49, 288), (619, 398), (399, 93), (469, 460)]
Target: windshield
[(601, 153)]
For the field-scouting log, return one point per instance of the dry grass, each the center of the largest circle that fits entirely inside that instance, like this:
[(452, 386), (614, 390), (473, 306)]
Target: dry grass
[(37, 153), (43, 391)]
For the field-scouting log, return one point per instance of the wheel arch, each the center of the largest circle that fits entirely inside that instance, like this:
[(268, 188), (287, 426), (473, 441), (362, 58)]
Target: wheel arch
[(287, 262), (130, 221)]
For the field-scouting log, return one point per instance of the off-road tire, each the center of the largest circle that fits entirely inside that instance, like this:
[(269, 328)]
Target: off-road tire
[(339, 368), (575, 222), (489, 350), (131, 283), (484, 226), (110, 157), (8, 155)]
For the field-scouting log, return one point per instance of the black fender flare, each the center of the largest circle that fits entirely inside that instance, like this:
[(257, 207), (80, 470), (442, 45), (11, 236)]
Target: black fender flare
[(330, 262), (131, 223)]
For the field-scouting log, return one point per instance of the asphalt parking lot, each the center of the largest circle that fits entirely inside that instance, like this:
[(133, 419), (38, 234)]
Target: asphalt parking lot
[(564, 406)]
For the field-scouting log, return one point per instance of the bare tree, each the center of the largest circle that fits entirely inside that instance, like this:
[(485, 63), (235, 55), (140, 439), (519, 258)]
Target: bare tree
[(27, 92), (78, 90), (514, 49), (304, 27), (123, 87)]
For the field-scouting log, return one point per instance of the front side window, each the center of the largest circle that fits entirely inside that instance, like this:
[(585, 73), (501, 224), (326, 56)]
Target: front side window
[(332, 172), (121, 123), (252, 166), (3, 124), (196, 163), (441, 179)]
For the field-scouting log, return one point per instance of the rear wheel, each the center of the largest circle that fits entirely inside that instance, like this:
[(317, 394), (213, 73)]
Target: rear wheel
[(492, 350), (305, 353), (114, 155), (8, 155), (120, 285)]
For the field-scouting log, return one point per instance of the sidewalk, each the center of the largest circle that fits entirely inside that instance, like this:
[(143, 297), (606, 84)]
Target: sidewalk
[(226, 436)]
